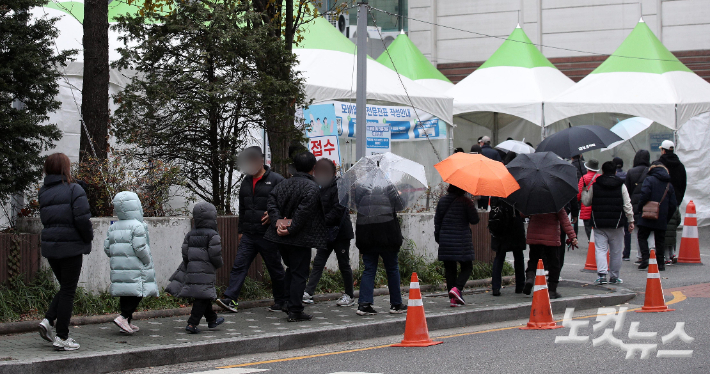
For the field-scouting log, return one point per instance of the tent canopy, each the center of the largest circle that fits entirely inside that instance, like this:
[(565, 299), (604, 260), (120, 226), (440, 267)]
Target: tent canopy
[(411, 63), (641, 78), (327, 61)]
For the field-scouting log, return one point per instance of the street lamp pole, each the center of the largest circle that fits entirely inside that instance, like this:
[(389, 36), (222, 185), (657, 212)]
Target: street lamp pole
[(361, 97)]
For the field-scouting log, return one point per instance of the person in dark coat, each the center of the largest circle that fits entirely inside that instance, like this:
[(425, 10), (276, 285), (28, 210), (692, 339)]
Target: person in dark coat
[(513, 241), (676, 169), (633, 182), (196, 276), (619, 164), (297, 202), (578, 163), (253, 222), (455, 212), (672, 237), (489, 151), (66, 236), (378, 236), (340, 233), (656, 187)]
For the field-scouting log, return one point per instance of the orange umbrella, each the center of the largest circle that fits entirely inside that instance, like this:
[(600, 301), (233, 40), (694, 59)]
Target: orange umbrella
[(477, 175)]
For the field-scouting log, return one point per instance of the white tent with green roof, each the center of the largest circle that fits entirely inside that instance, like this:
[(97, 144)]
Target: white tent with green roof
[(411, 63), (505, 95), (326, 59)]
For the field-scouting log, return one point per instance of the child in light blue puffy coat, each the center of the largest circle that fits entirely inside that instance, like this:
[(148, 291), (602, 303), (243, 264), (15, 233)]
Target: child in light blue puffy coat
[(128, 246)]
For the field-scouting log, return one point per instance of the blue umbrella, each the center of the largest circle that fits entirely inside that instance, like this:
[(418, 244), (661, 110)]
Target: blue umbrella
[(627, 129)]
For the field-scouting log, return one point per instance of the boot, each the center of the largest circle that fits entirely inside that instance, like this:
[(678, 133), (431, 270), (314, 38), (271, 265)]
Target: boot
[(529, 282), (552, 290)]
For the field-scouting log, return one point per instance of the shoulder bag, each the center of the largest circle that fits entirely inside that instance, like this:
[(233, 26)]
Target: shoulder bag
[(652, 209)]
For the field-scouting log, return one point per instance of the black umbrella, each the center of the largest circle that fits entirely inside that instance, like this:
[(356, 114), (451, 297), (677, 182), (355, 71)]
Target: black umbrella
[(576, 140), (547, 183)]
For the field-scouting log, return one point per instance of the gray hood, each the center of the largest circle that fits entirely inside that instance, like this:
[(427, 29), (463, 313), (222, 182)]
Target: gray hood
[(205, 216)]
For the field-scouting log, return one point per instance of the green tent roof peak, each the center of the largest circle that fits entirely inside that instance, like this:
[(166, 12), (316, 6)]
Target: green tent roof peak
[(517, 50), (409, 60), (641, 52), (320, 34)]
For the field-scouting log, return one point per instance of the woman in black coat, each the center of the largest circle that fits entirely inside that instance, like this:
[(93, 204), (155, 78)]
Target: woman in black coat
[(66, 236), (656, 187), (454, 213), (512, 241)]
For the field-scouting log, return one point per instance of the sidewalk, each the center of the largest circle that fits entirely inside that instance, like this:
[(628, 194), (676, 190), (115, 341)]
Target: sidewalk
[(164, 341)]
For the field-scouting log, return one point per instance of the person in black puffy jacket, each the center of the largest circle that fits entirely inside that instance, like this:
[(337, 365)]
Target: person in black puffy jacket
[(454, 213), (656, 187), (66, 236), (634, 181), (340, 233), (253, 223)]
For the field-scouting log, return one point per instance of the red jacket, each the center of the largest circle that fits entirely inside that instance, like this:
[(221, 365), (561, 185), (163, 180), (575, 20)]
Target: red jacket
[(544, 229), (586, 211)]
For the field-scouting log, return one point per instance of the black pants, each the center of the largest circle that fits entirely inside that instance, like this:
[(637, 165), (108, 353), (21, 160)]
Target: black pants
[(450, 270), (518, 265), (249, 247), (67, 271), (129, 304), (549, 259), (342, 253), (659, 236), (200, 308), (627, 242), (561, 249), (298, 262)]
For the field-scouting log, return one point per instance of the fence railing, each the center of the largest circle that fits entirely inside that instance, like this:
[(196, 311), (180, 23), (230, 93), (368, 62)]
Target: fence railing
[(19, 254), (482, 239), (227, 226)]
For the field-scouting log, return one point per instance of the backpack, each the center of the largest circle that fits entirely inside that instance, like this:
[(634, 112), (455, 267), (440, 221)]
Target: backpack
[(500, 219)]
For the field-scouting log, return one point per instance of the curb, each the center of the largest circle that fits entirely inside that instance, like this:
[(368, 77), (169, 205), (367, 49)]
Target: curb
[(221, 348), (31, 326)]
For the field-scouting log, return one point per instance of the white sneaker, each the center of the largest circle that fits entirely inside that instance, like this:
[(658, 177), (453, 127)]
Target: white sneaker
[(123, 324), (45, 331), (65, 345), (307, 298), (345, 300), (133, 327)]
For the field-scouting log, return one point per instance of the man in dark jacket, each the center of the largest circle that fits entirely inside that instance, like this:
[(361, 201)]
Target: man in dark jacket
[(488, 151), (676, 170), (253, 222), (633, 182), (297, 225), (656, 187)]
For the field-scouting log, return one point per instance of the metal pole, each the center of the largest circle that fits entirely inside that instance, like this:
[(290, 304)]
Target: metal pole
[(361, 98)]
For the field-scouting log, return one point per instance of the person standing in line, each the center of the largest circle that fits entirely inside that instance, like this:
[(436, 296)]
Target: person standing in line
[(679, 180), (66, 236), (657, 187), (578, 162), (340, 233), (619, 165), (633, 182), (610, 203), (297, 225), (455, 212), (253, 223), (488, 151), (544, 240), (196, 276), (585, 212), (672, 238), (128, 247)]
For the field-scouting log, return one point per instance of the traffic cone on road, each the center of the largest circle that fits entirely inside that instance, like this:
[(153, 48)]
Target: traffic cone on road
[(591, 264), (689, 252), (541, 311), (416, 332), (654, 301)]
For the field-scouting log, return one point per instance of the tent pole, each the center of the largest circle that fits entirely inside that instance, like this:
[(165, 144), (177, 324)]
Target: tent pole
[(495, 128), (361, 95)]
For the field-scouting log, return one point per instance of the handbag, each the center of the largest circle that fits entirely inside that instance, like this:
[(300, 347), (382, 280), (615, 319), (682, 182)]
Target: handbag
[(652, 209)]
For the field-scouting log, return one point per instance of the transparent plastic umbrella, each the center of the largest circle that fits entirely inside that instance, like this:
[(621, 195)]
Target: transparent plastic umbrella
[(379, 185)]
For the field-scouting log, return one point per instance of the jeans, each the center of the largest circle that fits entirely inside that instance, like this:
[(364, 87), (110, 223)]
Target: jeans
[(588, 225), (627, 242), (611, 240), (367, 282), (659, 236), (298, 263), (129, 304), (549, 259), (67, 271), (200, 308), (518, 264), (450, 270), (342, 253), (249, 247)]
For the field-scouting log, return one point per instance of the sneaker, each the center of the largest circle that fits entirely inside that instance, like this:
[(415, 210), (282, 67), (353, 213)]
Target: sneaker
[(401, 308), (496, 292), (669, 262), (275, 308), (307, 298), (613, 280), (123, 324), (625, 259), (345, 300), (45, 331), (454, 293), (215, 323), (133, 327), (454, 304), (192, 329), (299, 317), (601, 280), (637, 262), (674, 259), (643, 265), (228, 305), (65, 345), (366, 310)]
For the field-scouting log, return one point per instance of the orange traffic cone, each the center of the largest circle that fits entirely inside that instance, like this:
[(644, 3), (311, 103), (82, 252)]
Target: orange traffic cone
[(416, 332), (541, 311), (654, 301), (591, 265), (689, 252)]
